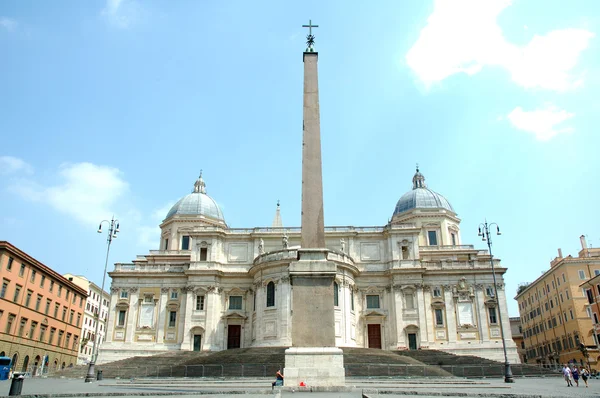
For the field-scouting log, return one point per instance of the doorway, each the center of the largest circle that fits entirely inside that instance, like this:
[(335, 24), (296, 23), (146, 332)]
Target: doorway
[(25, 364), (234, 334), (197, 342), (412, 341), (374, 333)]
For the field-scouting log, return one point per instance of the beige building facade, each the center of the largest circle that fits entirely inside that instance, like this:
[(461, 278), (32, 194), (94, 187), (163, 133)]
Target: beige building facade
[(41, 313), (409, 284), (96, 310), (554, 312), (517, 334)]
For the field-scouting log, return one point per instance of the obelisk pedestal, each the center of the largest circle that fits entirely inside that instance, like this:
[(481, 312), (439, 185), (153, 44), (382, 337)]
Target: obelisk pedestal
[(313, 357)]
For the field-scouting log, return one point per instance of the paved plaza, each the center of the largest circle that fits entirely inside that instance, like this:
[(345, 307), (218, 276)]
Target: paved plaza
[(530, 387)]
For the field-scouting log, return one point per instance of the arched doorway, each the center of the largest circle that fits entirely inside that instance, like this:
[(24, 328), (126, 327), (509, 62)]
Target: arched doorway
[(25, 363), (15, 358), (55, 364), (63, 365), (36, 365), (2, 354)]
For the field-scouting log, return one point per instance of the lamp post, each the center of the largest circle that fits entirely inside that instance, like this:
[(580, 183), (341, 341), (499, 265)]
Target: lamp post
[(484, 232), (113, 229)]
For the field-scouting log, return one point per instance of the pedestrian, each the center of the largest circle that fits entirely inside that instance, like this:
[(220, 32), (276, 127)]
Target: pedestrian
[(585, 375), (278, 379), (575, 373), (567, 375)]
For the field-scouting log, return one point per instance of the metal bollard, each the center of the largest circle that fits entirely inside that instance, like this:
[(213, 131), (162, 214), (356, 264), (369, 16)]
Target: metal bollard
[(16, 386), (99, 375)]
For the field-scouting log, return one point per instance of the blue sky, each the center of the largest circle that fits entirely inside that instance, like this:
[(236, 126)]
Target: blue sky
[(113, 107)]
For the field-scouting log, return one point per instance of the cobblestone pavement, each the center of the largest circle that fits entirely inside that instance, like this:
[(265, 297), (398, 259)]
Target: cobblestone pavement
[(530, 387)]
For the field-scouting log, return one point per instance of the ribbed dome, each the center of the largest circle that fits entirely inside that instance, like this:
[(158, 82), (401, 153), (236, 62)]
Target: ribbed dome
[(197, 203), (421, 197)]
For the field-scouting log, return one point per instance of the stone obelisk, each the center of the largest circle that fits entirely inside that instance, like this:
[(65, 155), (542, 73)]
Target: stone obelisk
[(313, 357)]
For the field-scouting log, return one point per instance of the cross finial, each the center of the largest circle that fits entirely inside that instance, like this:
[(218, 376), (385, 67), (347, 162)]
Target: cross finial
[(310, 38)]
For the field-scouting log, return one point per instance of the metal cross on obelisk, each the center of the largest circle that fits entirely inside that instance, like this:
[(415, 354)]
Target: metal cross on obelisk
[(310, 38)]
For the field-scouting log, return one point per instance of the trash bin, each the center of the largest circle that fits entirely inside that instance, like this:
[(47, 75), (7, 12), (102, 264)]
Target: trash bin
[(99, 375), (16, 386)]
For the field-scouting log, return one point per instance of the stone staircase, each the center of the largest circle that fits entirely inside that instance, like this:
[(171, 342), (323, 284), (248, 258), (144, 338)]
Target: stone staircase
[(265, 361), (472, 366)]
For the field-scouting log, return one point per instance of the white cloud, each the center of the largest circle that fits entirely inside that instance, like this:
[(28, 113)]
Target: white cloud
[(463, 36), (149, 235), (121, 13), (8, 23), (87, 192), (541, 122), (12, 165)]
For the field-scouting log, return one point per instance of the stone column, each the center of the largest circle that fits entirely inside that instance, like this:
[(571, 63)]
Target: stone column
[(114, 315), (188, 309), (133, 314), (428, 315), (450, 314), (482, 314), (422, 313), (162, 310)]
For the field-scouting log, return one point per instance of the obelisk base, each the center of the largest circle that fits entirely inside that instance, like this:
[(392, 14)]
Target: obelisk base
[(315, 366)]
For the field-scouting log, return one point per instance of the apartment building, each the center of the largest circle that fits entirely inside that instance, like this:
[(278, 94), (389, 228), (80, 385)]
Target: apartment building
[(557, 327), (592, 289), (40, 313), (517, 335), (96, 310)]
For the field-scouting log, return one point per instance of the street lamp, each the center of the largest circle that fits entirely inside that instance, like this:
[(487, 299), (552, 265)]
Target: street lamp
[(484, 232), (113, 229)]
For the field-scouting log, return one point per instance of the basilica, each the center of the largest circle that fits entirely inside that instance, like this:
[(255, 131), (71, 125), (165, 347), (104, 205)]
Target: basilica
[(409, 284)]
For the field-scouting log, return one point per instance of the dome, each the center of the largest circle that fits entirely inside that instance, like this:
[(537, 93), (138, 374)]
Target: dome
[(421, 197), (197, 203)]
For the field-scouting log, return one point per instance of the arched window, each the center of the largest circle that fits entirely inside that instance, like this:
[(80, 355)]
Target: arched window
[(271, 294), (336, 299)]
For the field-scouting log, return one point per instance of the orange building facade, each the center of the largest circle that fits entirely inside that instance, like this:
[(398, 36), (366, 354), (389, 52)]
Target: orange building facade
[(41, 313)]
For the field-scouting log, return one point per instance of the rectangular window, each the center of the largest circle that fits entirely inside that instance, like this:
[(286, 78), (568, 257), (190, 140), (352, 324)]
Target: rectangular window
[(410, 301), (564, 279), (32, 280), (567, 293), (453, 236), (489, 291), (493, 319), (51, 286), (589, 312), (235, 302), (437, 292), (199, 303), (22, 327), (74, 298), (372, 301), (124, 294), (28, 298), (48, 302), (351, 299), (64, 313), (68, 340), (121, 320), (590, 295), (185, 242), (595, 318), (32, 329), (43, 280), (581, 274), (71, 315), (4, 288), (9, 322), (10, 263), (432, 235), (42, 332), (174, 294), (17, 293), (38, 301), (22, 270), (56, 307), (60, 336), (59, 290), (172, 318), (67, 295), (596, 272), (203, 254), (439, 317)]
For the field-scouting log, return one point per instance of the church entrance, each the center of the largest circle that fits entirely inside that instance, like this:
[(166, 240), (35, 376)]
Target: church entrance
[(234, 334), (374, 332), (197, 342), (412, 341)]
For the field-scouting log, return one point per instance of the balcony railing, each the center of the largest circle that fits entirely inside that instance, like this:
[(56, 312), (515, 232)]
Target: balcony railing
[(445, 247)]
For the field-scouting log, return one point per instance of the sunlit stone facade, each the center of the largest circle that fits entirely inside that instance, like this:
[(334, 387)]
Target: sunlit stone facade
[(410, 284)]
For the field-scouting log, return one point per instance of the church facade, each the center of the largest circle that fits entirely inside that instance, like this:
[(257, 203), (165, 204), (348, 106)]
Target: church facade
[(410, 284)]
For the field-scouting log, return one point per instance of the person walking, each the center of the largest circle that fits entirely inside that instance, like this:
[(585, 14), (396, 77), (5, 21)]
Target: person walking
[(585, 375), (567, 375), (575, 373)]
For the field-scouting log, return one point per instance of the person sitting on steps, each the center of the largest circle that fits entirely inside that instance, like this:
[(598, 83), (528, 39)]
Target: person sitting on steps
[(278, 379)]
